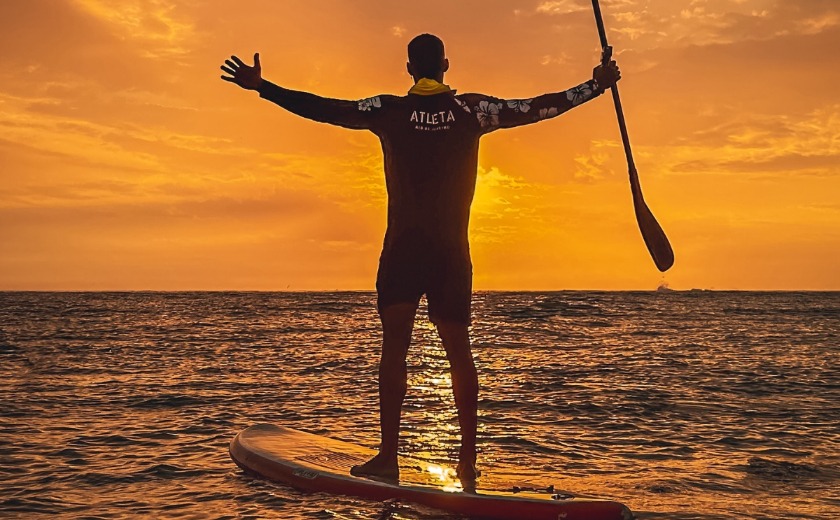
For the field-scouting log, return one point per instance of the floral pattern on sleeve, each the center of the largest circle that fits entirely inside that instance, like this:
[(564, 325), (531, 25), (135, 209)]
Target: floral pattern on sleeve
[(463, 105), (579, 94), (520, 105), (546, 113), (487, 113), (366, 104)]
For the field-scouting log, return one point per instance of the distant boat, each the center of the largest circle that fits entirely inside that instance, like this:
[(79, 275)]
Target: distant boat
[(663, 287)]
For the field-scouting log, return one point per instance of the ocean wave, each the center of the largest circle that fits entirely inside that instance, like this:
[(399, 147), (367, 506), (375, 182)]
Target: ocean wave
[(716, 406)]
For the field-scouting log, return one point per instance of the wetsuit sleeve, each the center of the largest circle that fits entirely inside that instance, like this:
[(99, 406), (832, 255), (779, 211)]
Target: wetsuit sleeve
[(494, 113), (358, 115)]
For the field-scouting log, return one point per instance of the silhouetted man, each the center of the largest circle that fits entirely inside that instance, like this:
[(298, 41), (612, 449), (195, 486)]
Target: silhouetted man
[(430, 144)]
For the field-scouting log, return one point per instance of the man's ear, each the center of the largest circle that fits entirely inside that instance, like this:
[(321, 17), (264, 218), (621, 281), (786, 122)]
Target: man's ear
[(408, 67), (445, 65)]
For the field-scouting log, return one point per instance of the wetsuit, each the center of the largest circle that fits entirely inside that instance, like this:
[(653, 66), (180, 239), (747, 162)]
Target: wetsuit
[(430, 146)]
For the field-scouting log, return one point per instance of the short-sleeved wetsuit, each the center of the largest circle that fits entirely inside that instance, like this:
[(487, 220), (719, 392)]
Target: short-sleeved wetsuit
[(430, 146)]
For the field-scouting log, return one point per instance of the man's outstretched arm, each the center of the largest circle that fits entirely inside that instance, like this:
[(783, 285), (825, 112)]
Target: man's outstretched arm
[(494, 113), (349, 114)]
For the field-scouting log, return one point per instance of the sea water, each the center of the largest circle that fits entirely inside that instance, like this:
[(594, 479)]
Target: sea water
[(682, 405)]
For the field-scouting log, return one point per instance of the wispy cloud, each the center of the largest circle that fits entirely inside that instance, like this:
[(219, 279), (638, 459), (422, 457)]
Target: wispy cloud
[(594, 165), (784, 145), (561, 7), (155, 24), (646, 25)]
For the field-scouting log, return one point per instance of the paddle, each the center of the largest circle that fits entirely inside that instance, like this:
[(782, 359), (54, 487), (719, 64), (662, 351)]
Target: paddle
[(655, 239)]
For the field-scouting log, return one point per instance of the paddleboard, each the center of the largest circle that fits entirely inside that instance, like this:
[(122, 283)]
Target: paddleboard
[(319, 464)]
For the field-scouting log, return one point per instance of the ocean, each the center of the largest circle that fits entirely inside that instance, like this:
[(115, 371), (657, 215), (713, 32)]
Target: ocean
[(681, 405)]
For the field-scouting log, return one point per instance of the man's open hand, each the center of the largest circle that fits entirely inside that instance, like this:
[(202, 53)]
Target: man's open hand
[(243, 75), (606, 75)]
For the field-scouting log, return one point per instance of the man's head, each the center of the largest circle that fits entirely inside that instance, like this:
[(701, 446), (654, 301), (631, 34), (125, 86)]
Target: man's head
[(426, 58)]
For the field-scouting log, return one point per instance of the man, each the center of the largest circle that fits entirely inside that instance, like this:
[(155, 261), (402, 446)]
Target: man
[(430, 144)]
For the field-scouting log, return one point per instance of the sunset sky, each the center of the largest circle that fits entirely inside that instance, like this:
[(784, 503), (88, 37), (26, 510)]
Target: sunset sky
[(126, 163)]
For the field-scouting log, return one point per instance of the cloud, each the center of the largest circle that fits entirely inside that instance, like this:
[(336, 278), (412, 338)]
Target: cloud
[(644, 25), (49, 42), (562, 59), (255, 243), (593, 166), (25, 124), (561, 7), (154, 24), (777, 145), (501, 204)]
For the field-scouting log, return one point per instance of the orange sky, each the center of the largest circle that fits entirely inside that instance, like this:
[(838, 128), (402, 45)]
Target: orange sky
[(126, 163)]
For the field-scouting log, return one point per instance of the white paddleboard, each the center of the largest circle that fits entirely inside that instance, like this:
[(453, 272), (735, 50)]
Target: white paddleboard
[(315, 463)]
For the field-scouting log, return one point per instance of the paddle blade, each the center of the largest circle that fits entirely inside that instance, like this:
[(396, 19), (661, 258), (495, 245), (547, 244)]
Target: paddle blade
[(655, 239)]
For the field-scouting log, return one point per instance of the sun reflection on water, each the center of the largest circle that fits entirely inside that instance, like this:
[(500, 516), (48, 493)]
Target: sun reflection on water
[(430, 419), (445, 476)]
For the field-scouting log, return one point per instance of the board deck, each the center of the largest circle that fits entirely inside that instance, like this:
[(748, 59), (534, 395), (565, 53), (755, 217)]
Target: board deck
[(315, 463)]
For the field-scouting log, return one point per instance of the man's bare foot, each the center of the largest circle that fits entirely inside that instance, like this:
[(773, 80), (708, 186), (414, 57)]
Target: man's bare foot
[(378, 468), (466, 470), (467, 473)]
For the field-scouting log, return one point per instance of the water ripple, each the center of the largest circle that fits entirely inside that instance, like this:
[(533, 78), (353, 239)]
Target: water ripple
[(707, 406)]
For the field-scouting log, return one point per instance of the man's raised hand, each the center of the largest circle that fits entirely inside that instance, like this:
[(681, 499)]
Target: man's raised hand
[(243, 75), (606, 75)]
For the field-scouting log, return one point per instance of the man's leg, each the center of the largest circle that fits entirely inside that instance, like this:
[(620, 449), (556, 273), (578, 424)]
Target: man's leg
[(456, 342), (397, 323)]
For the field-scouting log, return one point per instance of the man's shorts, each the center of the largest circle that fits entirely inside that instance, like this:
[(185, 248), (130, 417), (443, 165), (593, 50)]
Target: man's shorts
[(411, 267)]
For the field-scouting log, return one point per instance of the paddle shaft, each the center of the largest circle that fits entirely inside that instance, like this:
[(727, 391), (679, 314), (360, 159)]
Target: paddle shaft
[(622, 125)]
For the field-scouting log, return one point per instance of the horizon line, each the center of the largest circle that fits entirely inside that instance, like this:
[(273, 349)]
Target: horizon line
[(373, 291)]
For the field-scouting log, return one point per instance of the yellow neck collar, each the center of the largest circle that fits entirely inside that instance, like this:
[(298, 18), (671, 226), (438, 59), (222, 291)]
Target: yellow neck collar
[(428, 87)]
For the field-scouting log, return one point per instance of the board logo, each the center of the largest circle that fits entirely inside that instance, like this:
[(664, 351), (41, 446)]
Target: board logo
[(305, 473)]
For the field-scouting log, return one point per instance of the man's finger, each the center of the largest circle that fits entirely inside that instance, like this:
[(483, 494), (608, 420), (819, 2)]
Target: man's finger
[(228, 70), (237, 60), (257, 60), (231, 65), (227, 78)]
